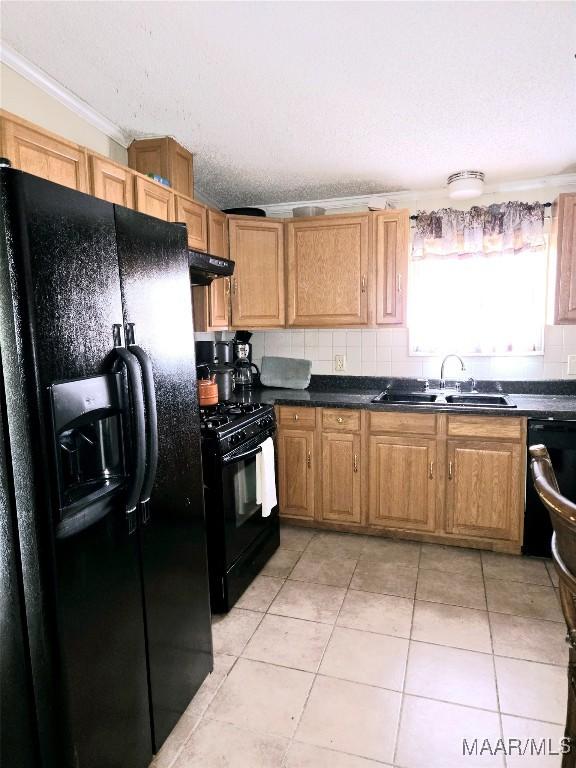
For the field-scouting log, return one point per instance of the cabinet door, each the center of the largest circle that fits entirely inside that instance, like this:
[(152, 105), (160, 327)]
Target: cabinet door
[(212, 302), (154, 199), (219, 290), (296, 473), (328, 272), (402, 483), (565, 229), (165, 157), (390, 248), (340, 477), (257, 247), (111, 181), (483, 494), (41, 154), (194, 216), (218, 233)]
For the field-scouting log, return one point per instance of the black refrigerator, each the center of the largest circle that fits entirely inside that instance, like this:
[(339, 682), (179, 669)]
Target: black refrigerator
[(105, 625)]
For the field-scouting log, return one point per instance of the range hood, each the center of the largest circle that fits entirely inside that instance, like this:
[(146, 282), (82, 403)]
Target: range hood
[(204, 267)]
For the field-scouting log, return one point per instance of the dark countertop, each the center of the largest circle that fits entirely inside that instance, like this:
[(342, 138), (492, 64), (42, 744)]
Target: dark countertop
[(532, 405)]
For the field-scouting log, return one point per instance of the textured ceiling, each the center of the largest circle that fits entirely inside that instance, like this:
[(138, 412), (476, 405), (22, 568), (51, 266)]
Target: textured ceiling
[(290, 100)]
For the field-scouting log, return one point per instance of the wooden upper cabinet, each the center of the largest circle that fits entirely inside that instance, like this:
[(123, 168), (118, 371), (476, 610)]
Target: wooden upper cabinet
[(165, 157), (564, 219), (218, 233), (212, 302), (328, 271), (257, 247), (483, 489), (194, 216), (390, 236), (340, 470), (402, 482), (41, 153), (154, 199), (212, 305), (219, 289), (296, 464), (111, 181)]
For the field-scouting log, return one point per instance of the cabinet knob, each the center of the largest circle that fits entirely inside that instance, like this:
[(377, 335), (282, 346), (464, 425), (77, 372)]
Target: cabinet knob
[(363, 284), (355, 462), (450, 470), (234, 285), (309, 462), (296, 417), (339, 419), (431, 472), (399, 282)]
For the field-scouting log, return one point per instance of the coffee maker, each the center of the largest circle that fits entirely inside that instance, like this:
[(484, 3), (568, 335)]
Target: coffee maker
[(246, 373)]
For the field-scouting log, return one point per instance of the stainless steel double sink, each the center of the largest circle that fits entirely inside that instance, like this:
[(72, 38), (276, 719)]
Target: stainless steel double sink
[(472, 399)]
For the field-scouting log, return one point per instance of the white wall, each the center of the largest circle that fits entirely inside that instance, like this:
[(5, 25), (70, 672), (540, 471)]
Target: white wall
[(21, 97)]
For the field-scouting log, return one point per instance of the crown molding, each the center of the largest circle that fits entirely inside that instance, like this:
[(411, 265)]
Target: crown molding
[(38, 77), (412, 197)]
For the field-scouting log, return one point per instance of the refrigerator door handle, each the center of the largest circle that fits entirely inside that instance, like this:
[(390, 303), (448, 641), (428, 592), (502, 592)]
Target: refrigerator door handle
[(151, 419), (139, 441)]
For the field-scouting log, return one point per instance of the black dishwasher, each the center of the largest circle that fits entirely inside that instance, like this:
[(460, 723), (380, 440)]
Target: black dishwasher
[(559, 437)]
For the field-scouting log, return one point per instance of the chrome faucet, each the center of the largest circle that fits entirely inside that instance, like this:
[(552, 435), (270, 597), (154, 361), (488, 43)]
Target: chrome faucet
[(442, 380)]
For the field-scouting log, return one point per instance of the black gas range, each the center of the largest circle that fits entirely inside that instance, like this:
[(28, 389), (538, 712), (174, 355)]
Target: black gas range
[(240, 538), (229, 424)]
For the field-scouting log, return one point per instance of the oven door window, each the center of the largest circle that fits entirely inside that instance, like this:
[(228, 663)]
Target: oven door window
[(243, 521), (244, 481)]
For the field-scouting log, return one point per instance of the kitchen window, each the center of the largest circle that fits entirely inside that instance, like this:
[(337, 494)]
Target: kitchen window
[(478, 281)]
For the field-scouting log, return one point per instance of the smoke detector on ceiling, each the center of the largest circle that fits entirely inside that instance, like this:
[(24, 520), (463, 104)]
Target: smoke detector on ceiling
[(465, 184)]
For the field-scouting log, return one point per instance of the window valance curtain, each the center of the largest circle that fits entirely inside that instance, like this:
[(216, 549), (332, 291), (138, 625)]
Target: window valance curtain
[(494, 230)]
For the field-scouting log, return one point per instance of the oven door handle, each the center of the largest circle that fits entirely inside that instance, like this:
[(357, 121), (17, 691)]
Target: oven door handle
[(247, 455)]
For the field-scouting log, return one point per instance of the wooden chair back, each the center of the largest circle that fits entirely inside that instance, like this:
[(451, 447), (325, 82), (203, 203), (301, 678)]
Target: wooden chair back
[(563, 516)]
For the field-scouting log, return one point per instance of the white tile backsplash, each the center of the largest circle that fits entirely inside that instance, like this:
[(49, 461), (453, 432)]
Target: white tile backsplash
[(384, 352), (554, 354), (554, 335)]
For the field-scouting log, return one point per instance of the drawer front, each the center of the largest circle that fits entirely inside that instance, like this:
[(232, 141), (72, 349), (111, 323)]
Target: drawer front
[(299, 418), (340, 420), (405, 423), (486, 426)]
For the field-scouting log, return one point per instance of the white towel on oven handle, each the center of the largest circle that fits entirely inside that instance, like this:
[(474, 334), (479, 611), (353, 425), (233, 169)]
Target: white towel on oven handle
[(266, 478)]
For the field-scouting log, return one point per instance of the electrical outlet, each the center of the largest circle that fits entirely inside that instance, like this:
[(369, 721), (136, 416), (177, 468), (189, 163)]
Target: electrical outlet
[(340, 362), (571, 365)]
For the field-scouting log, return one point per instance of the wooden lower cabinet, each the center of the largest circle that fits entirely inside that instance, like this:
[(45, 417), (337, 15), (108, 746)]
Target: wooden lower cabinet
[(296, 468), (402, 482), (483, 489), (341, 486), (404, 474)]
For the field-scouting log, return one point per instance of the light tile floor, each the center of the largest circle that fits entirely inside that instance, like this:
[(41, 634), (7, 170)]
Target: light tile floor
[(357, 652)]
